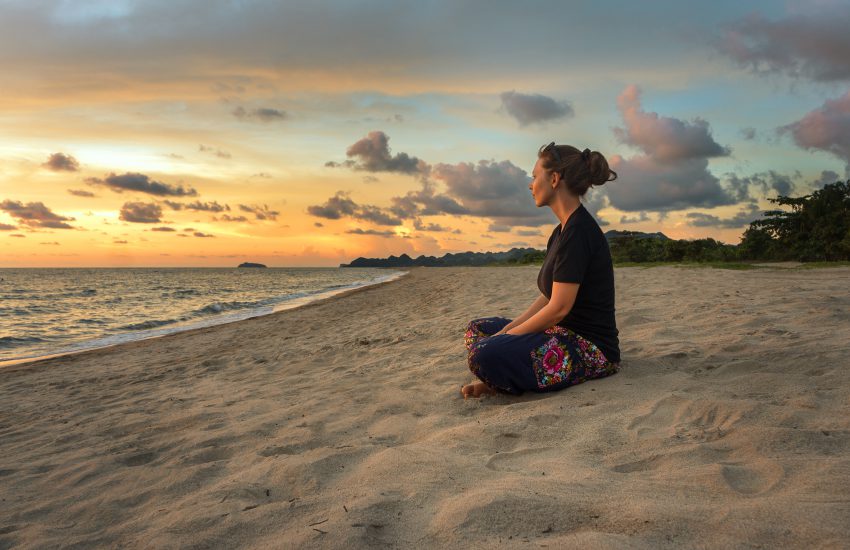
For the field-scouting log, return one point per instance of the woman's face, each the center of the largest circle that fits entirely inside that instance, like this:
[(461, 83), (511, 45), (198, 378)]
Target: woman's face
[(541, 185)]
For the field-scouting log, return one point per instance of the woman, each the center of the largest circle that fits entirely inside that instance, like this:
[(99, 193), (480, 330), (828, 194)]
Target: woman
[(568, 334)]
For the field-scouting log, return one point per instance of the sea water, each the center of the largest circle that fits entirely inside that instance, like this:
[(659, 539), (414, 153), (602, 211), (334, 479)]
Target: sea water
[(45, 311)]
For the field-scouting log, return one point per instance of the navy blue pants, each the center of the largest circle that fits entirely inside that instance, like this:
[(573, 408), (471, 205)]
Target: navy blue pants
[(538, 362)]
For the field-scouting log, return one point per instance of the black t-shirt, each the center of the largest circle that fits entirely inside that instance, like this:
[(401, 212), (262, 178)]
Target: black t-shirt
[(580, 255)]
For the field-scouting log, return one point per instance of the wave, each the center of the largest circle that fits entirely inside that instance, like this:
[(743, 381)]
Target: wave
[(14, 341), (144, 325)]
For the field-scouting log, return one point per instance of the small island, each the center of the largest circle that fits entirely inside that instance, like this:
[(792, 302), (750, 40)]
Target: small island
[(249, 264)]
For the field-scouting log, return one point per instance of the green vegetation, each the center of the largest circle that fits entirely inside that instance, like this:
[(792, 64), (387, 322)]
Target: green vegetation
[(815, 230)]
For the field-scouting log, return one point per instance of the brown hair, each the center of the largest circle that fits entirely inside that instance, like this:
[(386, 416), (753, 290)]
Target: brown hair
[(580, 170)]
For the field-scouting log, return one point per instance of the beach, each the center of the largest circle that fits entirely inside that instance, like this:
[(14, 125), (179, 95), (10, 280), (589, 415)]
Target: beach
[(340, 425)]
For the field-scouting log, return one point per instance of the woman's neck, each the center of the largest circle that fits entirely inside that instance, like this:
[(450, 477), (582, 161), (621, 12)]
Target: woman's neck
[(564, 208)]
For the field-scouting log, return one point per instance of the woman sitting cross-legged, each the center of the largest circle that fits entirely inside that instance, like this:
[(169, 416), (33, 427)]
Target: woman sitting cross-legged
[(569, 334)]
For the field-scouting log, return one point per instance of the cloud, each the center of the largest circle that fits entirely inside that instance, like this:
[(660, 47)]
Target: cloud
[(490, 189), (198, 206), (143, 184), (359, 231), (673, 171), (261, 212), (534, 108), (163, 228), (826, 177), (748, 133), (664, 138), (262, 114), (435, 227), (35, 214), (139, 212), (228, 218), (768, 182), (528, 233), (213, 151), (7, 227), (372, 154), (81, 193), (341, 205), (643, 217), (827, 128), (202, 235), (497, 228), (60, 162), (426, 202), (814, 45), (741, 219)]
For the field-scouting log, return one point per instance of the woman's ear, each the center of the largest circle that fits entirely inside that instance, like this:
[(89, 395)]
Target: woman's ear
[(556, 177)]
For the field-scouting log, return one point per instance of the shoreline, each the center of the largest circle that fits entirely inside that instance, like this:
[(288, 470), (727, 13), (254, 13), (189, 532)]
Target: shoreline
[(155, 334)]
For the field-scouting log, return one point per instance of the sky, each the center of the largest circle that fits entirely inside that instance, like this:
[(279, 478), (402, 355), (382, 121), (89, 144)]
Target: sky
[(212, 132)]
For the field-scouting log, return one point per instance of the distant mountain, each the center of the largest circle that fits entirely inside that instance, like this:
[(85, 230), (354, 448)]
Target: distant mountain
[(512, 256), (249, 264), (614, 234), (448, 260)]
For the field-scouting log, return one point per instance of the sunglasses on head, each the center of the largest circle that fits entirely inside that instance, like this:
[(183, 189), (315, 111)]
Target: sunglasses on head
[(552, 149)]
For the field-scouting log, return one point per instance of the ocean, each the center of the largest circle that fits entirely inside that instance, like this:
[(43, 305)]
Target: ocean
[(46, 311)]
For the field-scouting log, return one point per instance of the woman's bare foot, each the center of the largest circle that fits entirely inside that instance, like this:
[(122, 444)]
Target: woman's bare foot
[(476, 389)]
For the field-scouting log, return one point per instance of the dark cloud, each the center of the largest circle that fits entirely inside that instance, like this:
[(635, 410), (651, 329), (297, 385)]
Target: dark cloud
[(163, 228), (748, 133), (120, 242), (643, 217), (359, 231), (229, 218), (534, 108), (60, 162), (198, 206), (528, 233), (496, 228), (35, 214), (18, 235), (426, 202), (814, 45), (213, 151), (435, 227), (140, 212), (81, 193), (372, 154), (262, 114), (664, 138), (202, 235), (827, 128), (826, 177), (741, 219), (766, 183), (489, 189), (261, 212), (143, 184), (341, 205), (673, 171), (318, 224), (7, 227)]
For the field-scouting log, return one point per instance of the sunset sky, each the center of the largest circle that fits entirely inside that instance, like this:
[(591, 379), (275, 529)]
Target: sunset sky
[(207, 133)]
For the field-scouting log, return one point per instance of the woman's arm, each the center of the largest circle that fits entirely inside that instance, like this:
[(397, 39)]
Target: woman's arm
[(536, 306), (563, 298)]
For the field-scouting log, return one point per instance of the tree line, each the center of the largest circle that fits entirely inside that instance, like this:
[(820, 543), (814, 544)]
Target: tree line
[(815, 228)]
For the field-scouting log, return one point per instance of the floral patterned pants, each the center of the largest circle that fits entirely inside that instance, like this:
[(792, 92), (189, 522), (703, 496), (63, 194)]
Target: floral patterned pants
[(538, 362)]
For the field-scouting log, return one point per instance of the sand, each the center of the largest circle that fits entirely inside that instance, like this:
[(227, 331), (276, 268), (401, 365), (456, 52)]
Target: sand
[(341, 425)]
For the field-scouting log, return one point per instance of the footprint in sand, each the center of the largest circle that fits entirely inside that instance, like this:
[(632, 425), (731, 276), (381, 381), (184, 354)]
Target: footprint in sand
[(752, 477), (686, 420), (516, 461)]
